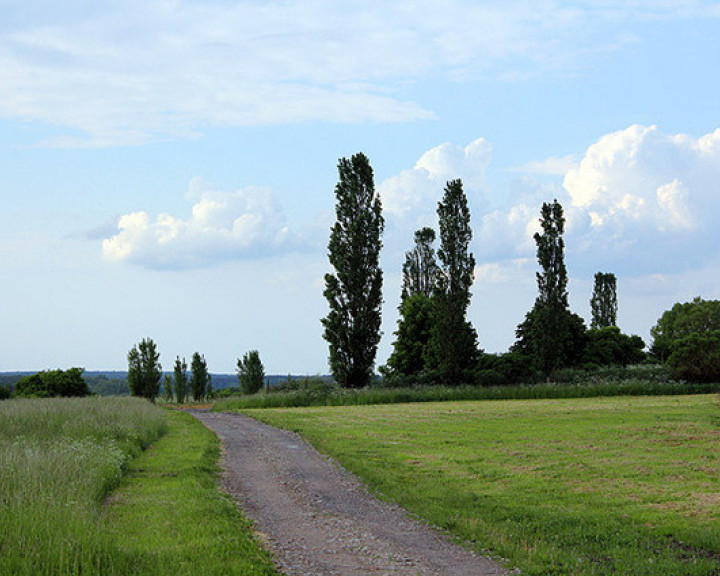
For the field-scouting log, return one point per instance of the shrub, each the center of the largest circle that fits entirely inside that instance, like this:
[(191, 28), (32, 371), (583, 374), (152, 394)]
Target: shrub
[(53, 383), (696, 358)]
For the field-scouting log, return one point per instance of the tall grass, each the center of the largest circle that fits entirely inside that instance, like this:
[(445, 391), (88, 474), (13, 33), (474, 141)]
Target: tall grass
[(59, 458), (329, 396)]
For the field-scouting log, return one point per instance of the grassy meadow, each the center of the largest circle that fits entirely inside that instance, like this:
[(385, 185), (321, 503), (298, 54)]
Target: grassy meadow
[(59, 458), (114, 486), (624, 485)]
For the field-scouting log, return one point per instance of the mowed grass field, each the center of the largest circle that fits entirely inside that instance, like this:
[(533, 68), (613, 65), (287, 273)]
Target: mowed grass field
[(626, 485)]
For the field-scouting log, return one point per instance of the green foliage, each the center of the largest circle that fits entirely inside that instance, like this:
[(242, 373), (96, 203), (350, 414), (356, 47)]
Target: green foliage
[(683, 319), (452, 351), (251, 372), (199, 379), (550, 334), (53, 383), (180, 380), (101, 385), (563, 487), (354, 291), (608, 345), (575, 384), (59, 458), (4, 393), (407, 360), (696, 357), (167, 388), (420, 269), (144, 370), (506, 369), (604, 301)]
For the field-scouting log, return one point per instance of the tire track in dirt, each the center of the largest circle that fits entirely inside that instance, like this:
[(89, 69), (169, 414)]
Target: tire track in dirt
[(318, 519)]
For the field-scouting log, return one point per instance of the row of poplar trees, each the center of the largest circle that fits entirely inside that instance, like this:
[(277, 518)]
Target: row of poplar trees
[(435, 342)]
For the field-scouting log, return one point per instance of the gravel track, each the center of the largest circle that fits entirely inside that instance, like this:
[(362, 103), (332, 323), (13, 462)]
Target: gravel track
[(318, 519)]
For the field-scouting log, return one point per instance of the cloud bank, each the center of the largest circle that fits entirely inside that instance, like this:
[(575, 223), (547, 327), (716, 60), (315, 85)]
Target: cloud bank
[(137, 71), (222, 226), (638, 201)]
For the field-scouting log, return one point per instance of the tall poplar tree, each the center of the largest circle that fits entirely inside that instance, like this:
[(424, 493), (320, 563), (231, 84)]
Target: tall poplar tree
[(604, 301), (180, 380), (452, 352), (354, 290), (144, 370), (199, 377), (550, 334), (420, 271)]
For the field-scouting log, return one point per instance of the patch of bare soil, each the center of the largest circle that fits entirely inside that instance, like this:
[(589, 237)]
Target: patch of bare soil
[(319, 519)]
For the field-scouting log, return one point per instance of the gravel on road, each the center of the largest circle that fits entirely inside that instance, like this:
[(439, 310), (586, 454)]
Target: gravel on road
[(318, 519)]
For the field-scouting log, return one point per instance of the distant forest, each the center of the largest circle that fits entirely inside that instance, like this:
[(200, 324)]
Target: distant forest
[(114, 383)]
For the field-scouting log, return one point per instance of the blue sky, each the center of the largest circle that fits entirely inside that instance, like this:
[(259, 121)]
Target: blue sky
[(168, 167)]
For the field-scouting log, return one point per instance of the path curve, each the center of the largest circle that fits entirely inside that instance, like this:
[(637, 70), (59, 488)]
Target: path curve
[(318, 519)]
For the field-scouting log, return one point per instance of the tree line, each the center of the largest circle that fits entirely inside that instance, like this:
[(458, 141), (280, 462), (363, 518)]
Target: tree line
[(145, 375), (435, 343)]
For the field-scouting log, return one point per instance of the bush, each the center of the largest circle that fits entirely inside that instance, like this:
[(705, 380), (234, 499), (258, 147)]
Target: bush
[(4, 393), (696, 358), (53, 383)]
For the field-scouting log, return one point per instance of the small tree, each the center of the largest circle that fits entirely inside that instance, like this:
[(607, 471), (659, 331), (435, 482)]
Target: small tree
[(354, 291), (696, 357), (452, 352), (684, 319), (251, 372), (167, 388), (413, 334), (52, 383), (180, 380), (199, 378), (604, 301), (144, 370)]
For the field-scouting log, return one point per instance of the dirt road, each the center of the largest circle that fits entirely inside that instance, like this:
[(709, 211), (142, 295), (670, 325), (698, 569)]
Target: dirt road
[(319, 519)]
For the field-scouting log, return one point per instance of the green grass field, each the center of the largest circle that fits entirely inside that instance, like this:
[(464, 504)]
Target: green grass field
[(79, 496), (168, 517), (627, 485)]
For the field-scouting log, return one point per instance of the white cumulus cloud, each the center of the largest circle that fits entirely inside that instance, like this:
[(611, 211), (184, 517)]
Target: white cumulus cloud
[(649, 197), (410, 198), (222, 226)]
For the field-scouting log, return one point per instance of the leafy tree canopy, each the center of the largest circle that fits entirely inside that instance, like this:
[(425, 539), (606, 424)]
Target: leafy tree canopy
[(53, 383), (251, 372), (144, 370), (354, 290), (684, 319)]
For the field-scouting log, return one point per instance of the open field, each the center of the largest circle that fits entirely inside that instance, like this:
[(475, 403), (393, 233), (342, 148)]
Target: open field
[(627, 485), (60, 460)]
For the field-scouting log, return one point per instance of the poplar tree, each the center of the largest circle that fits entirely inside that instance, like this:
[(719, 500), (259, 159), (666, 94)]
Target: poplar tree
[(199, 377), (251, 372), (550, 334), (180, 380), (354, 290), (604, 301), (420, 272), (420, 269), (144, 370), (452, 352)]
